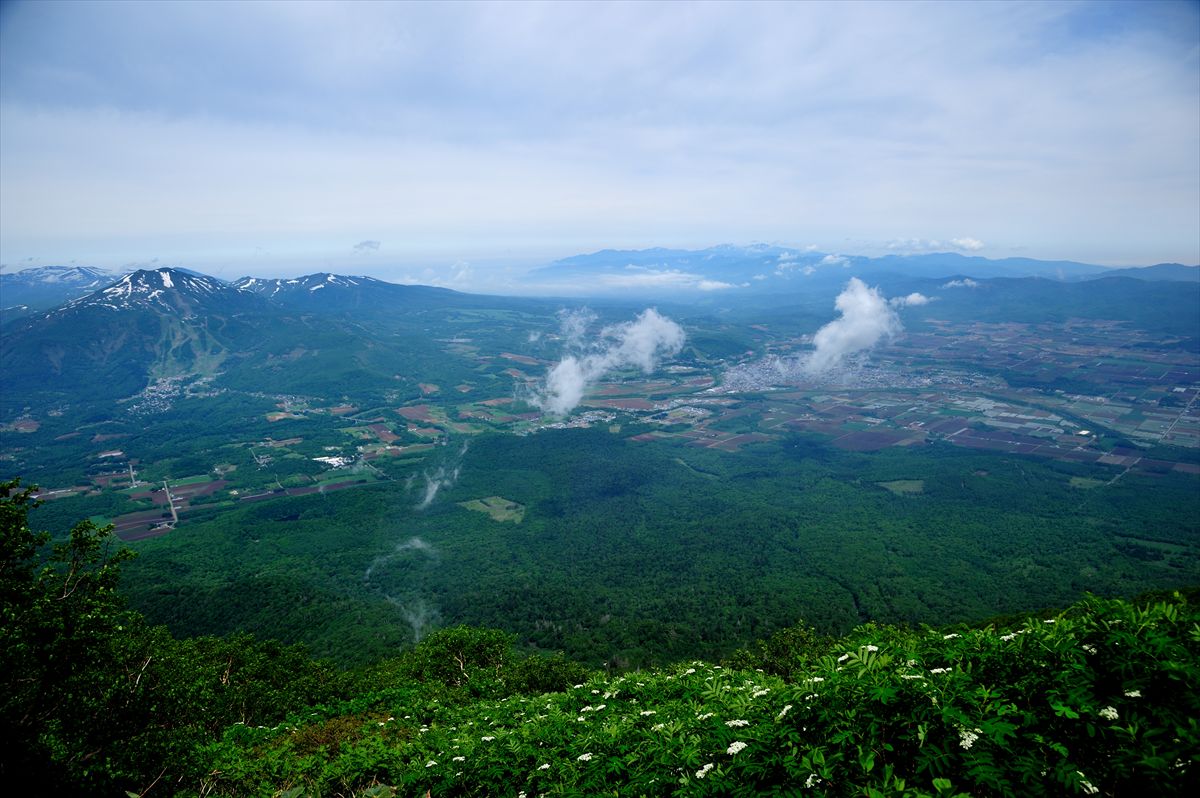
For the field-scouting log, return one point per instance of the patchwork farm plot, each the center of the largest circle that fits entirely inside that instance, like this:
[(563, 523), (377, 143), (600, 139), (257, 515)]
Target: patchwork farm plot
[(988, 387)]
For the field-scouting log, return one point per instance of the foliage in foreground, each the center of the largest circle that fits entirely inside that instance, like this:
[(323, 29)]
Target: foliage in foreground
[(1100, 699)]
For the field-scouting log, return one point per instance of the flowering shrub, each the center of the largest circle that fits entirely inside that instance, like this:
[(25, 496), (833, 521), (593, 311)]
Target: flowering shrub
[(1105, 700)]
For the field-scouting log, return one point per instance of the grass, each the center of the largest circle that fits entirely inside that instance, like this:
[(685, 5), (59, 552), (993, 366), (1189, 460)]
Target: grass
[(904, 487), (1085, 483), (498, 507)]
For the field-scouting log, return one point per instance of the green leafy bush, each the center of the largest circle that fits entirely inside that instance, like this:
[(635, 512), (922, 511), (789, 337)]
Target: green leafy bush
[(1101, 699)]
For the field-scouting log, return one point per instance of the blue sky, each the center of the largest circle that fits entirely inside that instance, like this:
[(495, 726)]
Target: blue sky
[(472, 140)]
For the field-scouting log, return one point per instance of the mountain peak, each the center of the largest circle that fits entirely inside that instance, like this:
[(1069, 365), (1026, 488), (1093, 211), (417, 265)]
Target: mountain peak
[(163, 289), (311, 283)]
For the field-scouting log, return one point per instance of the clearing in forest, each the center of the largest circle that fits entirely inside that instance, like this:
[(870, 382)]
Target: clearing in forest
[(498, 507), (904, 487)]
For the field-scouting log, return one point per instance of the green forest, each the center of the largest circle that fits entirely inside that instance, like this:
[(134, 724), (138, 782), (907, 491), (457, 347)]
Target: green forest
[(1100, 697), (637, 554)]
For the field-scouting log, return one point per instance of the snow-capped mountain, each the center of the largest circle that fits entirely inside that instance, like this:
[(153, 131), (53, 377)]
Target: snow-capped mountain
[(170, 290), (334, 293), (304, 334), (46, 286), (309, 282), (147, 325), (67, 275)]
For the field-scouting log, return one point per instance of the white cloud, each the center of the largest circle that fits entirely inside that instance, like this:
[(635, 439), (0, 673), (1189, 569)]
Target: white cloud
[(966, 282), (642, 278), (866, 319), (911, 300), (574, 325), (967, 244), (917, 246), (641, 343)]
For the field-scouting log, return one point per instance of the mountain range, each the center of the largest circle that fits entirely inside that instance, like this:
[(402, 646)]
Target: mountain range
[(329, 333), (769, 269), (758, 268)]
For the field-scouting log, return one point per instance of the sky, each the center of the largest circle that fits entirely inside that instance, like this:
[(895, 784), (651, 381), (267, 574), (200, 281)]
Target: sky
[(460, 144)]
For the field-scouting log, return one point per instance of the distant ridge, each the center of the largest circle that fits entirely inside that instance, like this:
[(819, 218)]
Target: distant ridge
[(768, 268), (1166, 272), (41, 287), (327, 292)]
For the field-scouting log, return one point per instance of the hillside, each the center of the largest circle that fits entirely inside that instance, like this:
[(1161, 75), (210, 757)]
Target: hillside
[(1100, 698), (1097, 699)]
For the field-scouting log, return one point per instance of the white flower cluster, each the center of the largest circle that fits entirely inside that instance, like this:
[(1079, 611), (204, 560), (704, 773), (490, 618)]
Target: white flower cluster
[(734, 747), (735, 723), (940, 670), (967, 737), (702, 772), (812, 781), (647, 713), (584, 758), (1109, 713), (1133, 693), (784, 711)]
